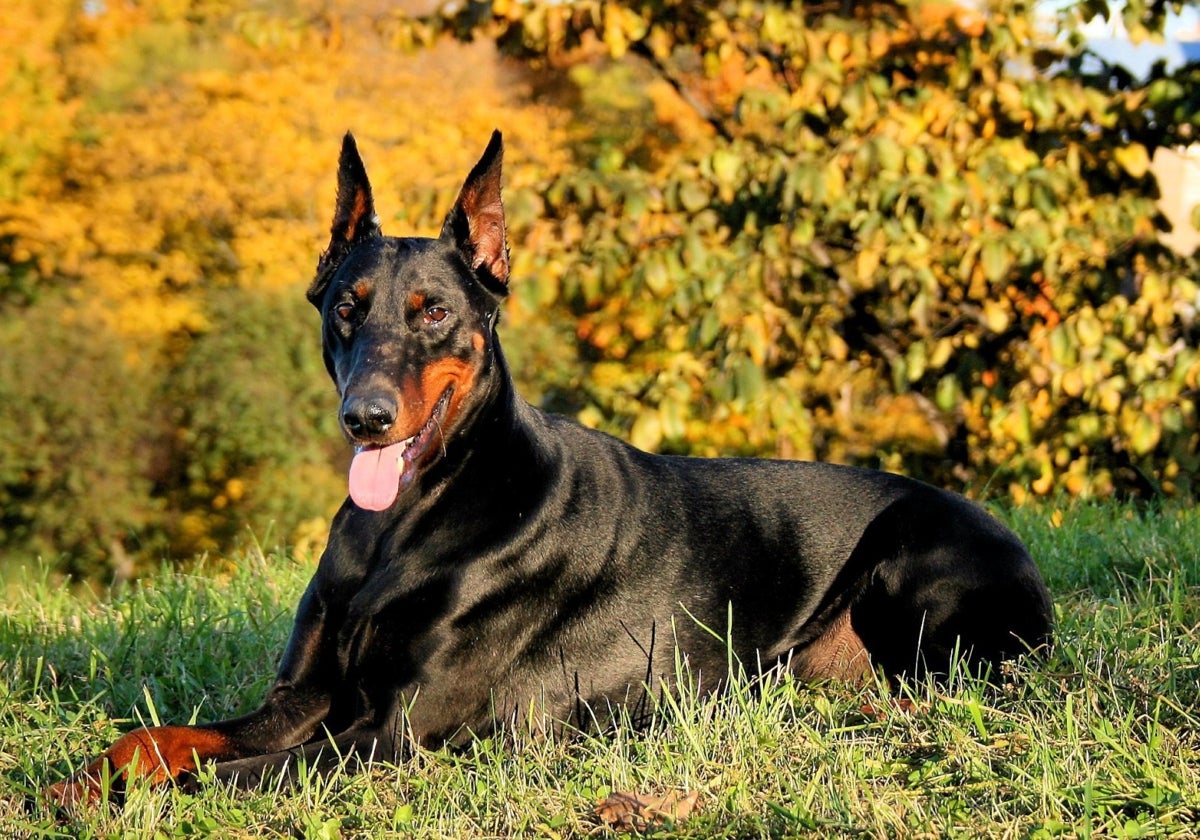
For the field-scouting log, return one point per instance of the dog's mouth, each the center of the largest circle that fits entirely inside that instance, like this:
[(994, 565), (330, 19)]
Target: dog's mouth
[(379, 473)]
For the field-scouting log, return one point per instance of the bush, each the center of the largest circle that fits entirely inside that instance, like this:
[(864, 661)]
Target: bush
[(899, 235), (78, 440), (111, 460), (911, 237), (253, 426)]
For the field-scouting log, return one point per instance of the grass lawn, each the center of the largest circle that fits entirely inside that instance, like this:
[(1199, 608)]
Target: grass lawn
[(1102, 740)]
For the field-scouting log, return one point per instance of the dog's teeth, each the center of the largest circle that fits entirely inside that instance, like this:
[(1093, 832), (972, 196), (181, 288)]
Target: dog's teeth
[(404, 444)]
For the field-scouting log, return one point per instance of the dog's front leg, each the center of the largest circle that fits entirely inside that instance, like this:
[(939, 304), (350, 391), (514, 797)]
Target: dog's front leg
[(292, 713), (158, 754)]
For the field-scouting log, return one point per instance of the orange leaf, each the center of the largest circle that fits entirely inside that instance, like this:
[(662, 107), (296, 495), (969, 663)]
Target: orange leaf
[(638, 812), (900, 705)]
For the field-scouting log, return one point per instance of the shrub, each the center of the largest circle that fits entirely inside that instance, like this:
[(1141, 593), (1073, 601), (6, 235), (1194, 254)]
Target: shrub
[(908, 236), (78, 440), (252, 425)]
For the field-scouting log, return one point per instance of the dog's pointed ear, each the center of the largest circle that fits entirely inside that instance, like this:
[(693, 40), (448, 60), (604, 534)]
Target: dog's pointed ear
[(476, 223), (354, 217)]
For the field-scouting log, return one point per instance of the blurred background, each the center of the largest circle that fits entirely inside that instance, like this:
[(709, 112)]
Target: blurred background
[(955, 241)]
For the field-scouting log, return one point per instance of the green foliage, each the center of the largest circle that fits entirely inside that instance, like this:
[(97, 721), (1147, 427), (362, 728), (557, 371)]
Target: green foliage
[(167, 172), (71, 473), (110, 458), (878, 233), (251, 430), (900, 241), (1141, 18), (77, 426)]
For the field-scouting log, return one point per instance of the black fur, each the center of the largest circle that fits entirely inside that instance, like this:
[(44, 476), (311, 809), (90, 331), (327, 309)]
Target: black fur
[(533, 570)]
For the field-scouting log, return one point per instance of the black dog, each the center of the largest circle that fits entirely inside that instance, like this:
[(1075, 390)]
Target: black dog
[(495, 563)]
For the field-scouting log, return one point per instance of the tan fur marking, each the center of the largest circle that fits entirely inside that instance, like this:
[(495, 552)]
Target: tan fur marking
[(159, 754), (418, 397), (356, 215), (439, 376), (837, 654)]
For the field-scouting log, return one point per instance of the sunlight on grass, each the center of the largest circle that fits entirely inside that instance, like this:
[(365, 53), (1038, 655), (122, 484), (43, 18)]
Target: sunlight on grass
[(1101, 740)]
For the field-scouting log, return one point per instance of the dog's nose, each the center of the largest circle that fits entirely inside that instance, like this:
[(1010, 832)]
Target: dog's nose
[(368, 416)]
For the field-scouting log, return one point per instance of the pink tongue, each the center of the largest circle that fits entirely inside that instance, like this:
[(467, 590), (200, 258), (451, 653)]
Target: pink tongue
[(375, 476)]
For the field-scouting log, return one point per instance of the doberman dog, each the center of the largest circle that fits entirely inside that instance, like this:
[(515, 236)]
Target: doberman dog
[(496, 564)]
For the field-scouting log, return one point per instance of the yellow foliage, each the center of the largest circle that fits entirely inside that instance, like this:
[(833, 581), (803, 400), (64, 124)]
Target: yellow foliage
[(156, 156), (226, 173)]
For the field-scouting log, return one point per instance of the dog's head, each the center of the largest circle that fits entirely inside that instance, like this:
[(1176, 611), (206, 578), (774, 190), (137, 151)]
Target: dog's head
[(409, 324)]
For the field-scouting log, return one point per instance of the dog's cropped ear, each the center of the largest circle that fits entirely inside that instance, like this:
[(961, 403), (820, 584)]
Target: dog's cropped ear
[(476, 222), (354, 217)]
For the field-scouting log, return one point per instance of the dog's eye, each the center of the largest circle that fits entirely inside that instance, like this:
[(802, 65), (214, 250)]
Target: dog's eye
[(435, 314), (344, 310)]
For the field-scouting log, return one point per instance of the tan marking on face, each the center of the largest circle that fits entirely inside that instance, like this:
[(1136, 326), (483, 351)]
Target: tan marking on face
[(361, 289), (436, 379), (478, 342), (416, 301), (419, 397), (412, 414), (441, 375)]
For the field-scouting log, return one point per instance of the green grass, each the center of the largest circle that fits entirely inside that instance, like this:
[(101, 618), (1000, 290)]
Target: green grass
[(1103, 740)]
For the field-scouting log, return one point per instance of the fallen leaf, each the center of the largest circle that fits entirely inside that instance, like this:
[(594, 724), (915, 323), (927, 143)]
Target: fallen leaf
[(901, 705), (639, 811)]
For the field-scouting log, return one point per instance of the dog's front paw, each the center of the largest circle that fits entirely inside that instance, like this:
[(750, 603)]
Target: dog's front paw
[(133, 755), (83, 789), (156, 756)]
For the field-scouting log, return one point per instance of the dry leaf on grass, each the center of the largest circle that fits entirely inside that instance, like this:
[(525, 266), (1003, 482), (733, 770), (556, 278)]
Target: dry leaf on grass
[(640, 811), (900, 705)]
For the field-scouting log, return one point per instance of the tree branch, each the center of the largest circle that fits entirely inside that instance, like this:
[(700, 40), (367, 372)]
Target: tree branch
[(675, 82)]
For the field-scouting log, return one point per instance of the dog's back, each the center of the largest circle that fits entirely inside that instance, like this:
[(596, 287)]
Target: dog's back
[(497, 563), (765, 555)]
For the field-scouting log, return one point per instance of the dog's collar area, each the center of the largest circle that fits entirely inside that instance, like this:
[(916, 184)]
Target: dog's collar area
[(379, 473)]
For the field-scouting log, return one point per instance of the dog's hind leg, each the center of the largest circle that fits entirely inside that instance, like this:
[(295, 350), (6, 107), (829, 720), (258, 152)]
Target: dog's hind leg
[(836, 654), (956, 585)]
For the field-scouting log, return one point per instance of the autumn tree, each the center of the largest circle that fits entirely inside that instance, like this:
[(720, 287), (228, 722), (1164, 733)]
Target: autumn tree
[(167, 174), (907, 235), (901, 235)]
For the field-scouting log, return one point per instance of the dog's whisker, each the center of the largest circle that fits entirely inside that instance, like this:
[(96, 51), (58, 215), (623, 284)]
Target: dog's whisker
[(437, 421)]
